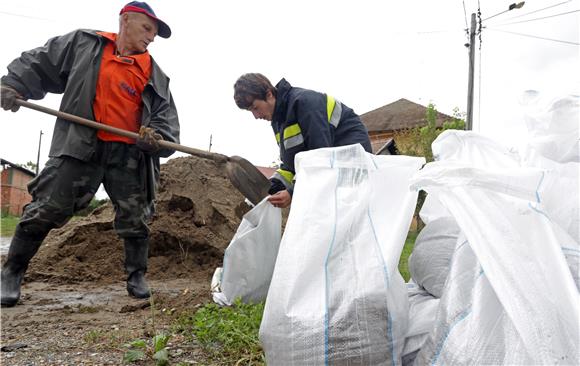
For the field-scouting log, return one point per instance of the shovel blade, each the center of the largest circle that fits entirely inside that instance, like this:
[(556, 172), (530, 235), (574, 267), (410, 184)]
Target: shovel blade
[(247, 179)]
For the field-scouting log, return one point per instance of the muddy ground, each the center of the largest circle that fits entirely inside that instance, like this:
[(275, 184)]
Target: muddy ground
[(74, 308)]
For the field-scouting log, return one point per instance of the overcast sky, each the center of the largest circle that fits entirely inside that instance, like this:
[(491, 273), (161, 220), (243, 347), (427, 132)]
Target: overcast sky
[(365, 53)]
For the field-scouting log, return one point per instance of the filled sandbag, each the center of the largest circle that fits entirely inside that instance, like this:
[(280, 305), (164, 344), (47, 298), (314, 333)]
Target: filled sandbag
[(431, 257), (336, 295)]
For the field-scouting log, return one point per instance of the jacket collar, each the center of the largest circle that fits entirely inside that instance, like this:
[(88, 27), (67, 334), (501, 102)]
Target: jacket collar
[(140, 59), (282, 90)]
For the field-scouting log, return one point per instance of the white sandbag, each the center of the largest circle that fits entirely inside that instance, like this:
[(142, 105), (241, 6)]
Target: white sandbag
[(336, 295), (431, 257), (422, 314), (467, 147), (473, 148), (510, 298), (551, 121), (553, 145), (250, 257)]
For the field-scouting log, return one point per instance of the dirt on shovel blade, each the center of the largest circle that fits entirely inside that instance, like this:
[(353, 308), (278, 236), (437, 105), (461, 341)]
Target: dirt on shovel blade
[(74, 307)]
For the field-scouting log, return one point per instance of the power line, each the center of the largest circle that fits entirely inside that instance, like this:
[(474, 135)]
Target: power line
[(536, 11), (546, 17), (25, 16), (532, 36)]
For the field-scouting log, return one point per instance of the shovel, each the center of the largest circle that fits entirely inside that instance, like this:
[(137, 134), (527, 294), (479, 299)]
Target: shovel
[(243, 175)]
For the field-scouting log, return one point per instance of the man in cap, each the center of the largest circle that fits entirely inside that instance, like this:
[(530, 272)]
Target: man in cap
[(302, 120), (110, 78)]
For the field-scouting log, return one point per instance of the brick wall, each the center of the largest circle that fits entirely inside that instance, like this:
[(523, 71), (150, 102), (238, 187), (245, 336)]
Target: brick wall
[(14, 194)]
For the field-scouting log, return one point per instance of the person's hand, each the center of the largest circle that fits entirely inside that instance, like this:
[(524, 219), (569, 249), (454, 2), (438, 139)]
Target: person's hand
[(281, 199), (8, 98), (148, 140)]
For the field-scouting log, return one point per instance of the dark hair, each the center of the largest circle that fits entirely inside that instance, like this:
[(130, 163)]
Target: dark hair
[(250, 87)]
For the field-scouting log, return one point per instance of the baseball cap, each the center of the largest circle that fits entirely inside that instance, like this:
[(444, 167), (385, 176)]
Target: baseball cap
[(142, 7)]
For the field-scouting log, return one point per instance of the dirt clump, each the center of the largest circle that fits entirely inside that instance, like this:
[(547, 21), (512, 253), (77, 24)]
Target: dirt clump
[(75, 285)]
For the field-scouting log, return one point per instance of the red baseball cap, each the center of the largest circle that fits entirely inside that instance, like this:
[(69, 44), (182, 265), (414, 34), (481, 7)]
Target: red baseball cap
[(142, 7)]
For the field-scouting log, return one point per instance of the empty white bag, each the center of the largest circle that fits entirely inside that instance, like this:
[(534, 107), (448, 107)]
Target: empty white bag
[(250, 258)]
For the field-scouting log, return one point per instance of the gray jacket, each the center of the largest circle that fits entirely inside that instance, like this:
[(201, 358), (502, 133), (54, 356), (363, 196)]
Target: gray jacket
[(69, 65)]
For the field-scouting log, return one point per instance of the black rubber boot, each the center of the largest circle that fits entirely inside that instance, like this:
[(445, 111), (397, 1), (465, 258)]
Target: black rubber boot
[(19, 255), (136, 252)]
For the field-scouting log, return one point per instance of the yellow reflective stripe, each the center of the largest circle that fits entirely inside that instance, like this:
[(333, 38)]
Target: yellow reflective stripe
[(287, 175), (292, 130), (278, 138), (330, 102)]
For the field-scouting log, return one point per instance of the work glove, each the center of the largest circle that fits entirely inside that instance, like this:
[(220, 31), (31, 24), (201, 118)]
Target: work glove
[(8, 97), (276, 186), (148, 140)]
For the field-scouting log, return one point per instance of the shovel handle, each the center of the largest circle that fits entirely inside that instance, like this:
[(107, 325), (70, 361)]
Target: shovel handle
[(118, 131)]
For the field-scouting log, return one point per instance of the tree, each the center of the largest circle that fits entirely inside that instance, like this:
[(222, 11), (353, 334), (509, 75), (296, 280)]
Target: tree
[(417, 141), (29, 165)]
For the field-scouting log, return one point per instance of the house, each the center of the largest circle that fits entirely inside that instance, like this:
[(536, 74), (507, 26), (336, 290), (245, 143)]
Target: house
[(14, 194), (383, 122)]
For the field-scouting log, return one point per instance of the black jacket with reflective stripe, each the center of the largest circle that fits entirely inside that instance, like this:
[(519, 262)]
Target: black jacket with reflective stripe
[(302, 122)]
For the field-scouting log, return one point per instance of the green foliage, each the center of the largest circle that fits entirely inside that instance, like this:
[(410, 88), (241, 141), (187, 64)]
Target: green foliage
[(407, 250), (417, 141), (228, 334), (156, 350), (93, 336), (29, 165), (8, 225)]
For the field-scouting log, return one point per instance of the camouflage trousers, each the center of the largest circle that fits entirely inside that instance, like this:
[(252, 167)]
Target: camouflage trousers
[(67, 185)]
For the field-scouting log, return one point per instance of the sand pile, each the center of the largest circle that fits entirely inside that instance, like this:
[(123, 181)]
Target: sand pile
[(197, 214)]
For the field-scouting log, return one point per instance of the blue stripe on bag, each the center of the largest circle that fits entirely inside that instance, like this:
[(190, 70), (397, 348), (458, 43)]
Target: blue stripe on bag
[(386, 272), (326, 315), (464, 314)]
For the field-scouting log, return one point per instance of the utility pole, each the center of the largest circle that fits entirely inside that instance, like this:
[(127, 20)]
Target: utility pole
[(210, 137), (472, 32), (469, 117), (38, 155)]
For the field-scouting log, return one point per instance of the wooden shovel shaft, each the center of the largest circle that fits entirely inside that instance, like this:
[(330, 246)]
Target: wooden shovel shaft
[(100, 126)]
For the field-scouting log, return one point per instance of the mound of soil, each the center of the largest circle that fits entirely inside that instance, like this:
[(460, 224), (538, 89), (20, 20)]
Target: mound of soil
[(197, 214)]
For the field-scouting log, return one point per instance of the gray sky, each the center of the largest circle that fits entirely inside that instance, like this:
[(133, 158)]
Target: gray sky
[(365, 53)]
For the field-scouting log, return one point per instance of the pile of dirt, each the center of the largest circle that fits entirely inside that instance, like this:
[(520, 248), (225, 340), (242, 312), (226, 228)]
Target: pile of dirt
[(197, 214)]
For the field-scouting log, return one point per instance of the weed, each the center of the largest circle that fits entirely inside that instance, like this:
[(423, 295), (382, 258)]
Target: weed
[(87, 309), (93, 336), (156, 349), (141, 350), (228, 334)]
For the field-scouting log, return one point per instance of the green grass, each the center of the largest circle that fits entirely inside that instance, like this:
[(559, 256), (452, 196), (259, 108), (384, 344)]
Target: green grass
[(407, 249), (8, 225), (229, 335)]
